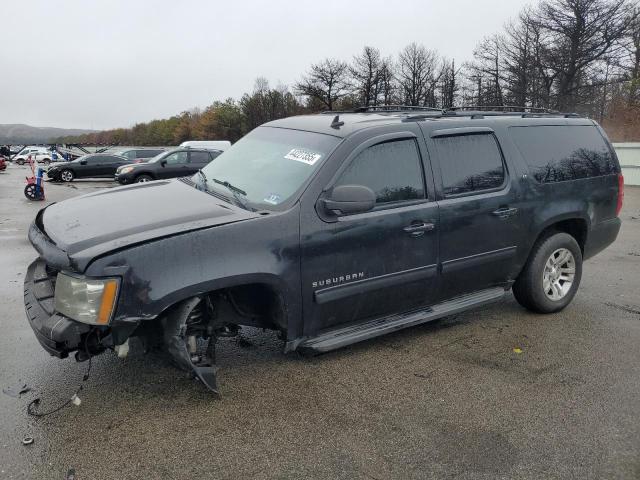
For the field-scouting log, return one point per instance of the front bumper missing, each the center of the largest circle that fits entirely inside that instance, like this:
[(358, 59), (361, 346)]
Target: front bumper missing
[(57, 334), (60, 335)]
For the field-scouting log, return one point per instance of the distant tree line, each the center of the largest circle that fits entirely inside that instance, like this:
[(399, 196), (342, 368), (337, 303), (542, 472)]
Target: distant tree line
[(569, 55)]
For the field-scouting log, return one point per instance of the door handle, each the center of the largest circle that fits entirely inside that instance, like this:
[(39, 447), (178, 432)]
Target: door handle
[(418, 229), (505, 212)]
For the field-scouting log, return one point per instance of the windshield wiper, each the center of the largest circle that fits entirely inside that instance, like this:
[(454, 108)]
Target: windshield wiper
[(238, 193), (230, 187)]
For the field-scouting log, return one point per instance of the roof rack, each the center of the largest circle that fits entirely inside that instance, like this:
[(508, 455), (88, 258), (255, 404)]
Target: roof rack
[(396, 108), (502, 108)]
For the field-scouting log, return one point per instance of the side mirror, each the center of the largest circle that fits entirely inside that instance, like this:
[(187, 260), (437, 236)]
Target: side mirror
[(83, 162), (349, 199), (163, 163)]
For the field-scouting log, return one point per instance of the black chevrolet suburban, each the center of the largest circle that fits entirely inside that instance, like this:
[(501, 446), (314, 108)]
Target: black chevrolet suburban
[(331, 229)]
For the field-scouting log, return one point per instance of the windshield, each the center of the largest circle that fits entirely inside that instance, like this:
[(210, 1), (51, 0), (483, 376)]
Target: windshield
[(269, 165)]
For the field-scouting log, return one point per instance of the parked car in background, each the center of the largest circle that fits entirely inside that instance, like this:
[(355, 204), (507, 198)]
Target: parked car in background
[(215, 144), (137, 155), (97, 165), (179, 162), (43, 157), (23, 157)]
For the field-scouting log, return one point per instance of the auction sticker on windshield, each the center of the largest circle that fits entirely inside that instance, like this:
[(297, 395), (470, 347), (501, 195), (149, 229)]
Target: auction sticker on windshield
[(302, 155)]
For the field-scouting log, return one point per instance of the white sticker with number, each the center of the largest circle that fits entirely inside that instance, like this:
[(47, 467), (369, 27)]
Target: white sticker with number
[(304, 156)]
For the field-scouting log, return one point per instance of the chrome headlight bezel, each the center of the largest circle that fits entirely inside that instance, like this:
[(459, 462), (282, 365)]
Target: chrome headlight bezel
[(86, 300)]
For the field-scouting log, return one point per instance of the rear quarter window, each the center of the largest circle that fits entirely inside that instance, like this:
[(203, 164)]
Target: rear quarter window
[(565, 152)]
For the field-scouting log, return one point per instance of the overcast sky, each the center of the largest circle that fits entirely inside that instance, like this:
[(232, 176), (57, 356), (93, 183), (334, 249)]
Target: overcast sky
[(112, 63)]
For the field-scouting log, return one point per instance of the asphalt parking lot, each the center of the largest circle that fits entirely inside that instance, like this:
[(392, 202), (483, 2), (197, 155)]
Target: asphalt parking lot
[(450, 399)]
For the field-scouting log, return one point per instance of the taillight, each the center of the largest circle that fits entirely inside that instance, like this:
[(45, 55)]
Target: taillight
[(620, 194)]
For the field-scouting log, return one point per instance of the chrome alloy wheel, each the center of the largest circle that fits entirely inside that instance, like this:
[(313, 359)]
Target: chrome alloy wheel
[(558, 274), (66, 175)]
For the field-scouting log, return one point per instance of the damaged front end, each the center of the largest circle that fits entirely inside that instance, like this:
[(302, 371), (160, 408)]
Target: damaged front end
[(189, 335), (188, 330)]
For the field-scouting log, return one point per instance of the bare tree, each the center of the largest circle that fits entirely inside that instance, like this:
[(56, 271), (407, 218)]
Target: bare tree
[(265, 104), (326, 83), (449, 84), (365, 73), (488, 67), (418, 74), (387, 85), (580, 33)]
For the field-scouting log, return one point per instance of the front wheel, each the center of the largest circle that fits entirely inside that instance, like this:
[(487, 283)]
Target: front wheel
[(143, 178), (20, 161), (66, 175), (551, 277)]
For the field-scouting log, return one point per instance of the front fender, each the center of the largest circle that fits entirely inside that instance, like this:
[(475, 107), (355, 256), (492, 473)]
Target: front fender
[(160, 273)]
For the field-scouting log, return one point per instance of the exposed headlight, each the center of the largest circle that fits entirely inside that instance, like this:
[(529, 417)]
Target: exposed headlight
[(86, 300), (125, 169)]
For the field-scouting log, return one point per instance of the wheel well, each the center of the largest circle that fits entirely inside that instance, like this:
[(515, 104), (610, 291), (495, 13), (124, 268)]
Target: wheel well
[(148, 174), (576, 227), (255, 304)]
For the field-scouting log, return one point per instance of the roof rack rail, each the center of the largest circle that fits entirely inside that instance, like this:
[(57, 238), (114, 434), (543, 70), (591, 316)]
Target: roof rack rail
[(396, 108), (501, 108)]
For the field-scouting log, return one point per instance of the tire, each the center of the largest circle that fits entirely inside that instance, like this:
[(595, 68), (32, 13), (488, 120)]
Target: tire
[(20, 161), (67, 175), (32, 193), (46, 161), (552, 275), (143, 178)]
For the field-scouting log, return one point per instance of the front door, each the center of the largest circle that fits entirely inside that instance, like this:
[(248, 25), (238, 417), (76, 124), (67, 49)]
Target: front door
[(90, 167), (368, 265), (175, 165), (480, 222)]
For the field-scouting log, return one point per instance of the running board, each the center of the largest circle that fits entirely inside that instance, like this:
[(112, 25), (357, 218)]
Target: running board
[(344, 336)]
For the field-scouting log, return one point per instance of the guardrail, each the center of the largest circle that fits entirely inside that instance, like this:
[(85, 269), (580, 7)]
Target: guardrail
[(629, 157)]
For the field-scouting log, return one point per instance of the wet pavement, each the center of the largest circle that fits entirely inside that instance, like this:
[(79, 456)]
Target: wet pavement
[(445, 400)]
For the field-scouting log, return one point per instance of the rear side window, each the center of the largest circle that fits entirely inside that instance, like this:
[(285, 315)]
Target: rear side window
[(147, 153), (567, 152), (470, 163), (200, 157), (391, 169)]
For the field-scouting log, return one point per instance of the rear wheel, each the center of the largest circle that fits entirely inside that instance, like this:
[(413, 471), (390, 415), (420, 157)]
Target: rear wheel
[(20, 161), (551, 276), (66, 175), (46, 161), (143, 178)]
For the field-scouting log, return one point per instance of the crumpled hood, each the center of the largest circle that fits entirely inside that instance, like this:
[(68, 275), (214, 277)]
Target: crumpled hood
[(94, 224)]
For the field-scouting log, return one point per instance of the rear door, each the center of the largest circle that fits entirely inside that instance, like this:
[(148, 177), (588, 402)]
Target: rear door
[(197, 160), (368, 265), (480, 221), (110, 163)]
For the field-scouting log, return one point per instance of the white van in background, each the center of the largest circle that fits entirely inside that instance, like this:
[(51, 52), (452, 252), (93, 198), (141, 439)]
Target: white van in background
[(217, 144)]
